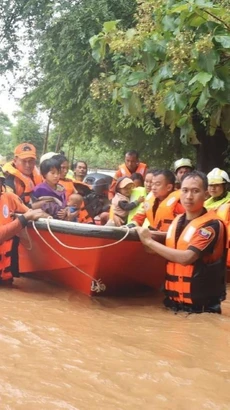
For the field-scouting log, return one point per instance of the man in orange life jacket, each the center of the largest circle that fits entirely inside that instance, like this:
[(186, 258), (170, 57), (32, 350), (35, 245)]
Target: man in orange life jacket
[(162, 206), (130, 166), (22, 174), (10, 226), (196, 249)]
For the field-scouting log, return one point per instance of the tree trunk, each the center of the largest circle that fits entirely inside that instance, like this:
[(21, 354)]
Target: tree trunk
[(211, 151), (58, 143), (46, 139)]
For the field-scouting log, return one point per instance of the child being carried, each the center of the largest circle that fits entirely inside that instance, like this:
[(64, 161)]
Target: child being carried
[(74, 204), (121, 205)]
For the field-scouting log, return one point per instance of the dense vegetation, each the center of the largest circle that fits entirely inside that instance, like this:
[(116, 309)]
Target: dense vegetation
[(156, 79)]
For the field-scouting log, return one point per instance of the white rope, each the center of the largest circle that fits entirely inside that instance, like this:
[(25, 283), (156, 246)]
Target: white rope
[(87, 247), (100, 287)]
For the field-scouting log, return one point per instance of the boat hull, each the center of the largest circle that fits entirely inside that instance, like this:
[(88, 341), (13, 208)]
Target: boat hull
[(123, 266)]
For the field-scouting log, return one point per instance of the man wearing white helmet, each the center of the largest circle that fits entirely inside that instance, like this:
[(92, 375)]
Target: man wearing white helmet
[(218, 189), (182, 166)]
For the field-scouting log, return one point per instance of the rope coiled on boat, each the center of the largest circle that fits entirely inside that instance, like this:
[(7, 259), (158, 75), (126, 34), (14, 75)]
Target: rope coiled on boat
[(99, 286)]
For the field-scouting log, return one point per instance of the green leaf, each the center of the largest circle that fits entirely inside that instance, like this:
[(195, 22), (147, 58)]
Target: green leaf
[(175, 102), (179, 9), (132, 106), (182, 120), (208, 61), (217, 84), (135, 78), (201, 77), (204, 97), (215, 120), (169, 23), (125, 93), (149, 61), (223, 40), (204, 4), (109, 26), (188, 134)]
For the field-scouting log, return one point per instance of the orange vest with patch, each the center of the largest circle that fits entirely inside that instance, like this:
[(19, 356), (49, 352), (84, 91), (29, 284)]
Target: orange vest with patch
[(25, 185), (204, 280)]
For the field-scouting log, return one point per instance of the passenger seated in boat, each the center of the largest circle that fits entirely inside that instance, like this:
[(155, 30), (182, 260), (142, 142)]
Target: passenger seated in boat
[(121, 204), (74, 205), (143, 191), (50, 195), (67, 183), (162, 206)]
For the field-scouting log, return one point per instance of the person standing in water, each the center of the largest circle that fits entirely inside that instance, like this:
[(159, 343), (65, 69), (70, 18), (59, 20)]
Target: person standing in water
[(196, 251)]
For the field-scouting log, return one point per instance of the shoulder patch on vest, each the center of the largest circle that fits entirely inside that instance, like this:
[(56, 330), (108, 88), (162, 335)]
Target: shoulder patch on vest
[(5, 211), (205, 233)]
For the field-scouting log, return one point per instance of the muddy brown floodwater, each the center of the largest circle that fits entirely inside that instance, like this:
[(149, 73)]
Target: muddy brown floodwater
[(63, 350)]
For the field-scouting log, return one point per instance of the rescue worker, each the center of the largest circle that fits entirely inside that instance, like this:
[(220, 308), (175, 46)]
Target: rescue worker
[(162, 206), (195, 249), (130, 166), (219, 199), (181, 167), (21, 174), (218, 189), (10, 226)]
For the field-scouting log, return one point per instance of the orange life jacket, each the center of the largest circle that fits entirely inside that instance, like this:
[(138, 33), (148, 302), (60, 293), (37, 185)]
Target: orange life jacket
[(24, 185), (165, 212), (8, 249), (141, 169), (83, 216), (223, 212), (68, 185), (204, 280)]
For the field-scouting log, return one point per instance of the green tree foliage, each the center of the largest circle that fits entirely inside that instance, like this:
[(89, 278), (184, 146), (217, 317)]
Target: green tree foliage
[(173, 64), (28, 129), (19, 17), (5, 134), (64, 83)]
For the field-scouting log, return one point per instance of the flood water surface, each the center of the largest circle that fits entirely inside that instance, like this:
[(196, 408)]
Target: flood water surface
[(63, 350)]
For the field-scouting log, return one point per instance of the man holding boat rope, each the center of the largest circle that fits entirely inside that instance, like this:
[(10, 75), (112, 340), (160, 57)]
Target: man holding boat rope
[(196, 250)]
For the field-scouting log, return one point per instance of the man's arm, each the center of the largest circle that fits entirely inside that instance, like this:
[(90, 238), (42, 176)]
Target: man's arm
[(185, 257), (13, 228)]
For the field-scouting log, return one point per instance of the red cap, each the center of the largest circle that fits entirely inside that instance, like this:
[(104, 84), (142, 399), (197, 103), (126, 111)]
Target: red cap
[(25, 150)]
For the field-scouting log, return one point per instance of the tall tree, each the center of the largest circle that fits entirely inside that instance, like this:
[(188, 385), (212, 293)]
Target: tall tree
[(28, 129), (173, 64), (5, 134)]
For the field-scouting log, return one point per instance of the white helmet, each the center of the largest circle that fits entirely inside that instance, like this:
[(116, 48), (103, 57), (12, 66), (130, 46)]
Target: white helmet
[(217, 176), (47, 155), (183, 162)]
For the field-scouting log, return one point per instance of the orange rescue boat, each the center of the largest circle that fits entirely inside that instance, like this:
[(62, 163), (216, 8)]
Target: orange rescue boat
[(96, 260)]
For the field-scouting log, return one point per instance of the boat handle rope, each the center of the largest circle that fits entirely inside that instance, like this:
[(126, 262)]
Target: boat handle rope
[(87, 247), (96, 286)]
